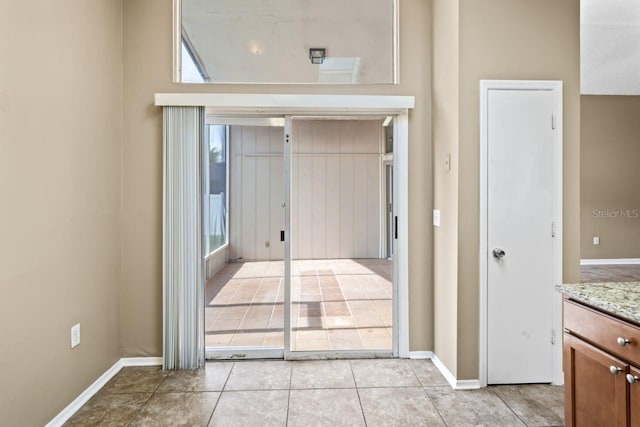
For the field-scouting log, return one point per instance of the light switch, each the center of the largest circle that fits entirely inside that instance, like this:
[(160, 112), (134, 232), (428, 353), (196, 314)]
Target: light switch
[(436, 217), (75, 335), (596, 240)]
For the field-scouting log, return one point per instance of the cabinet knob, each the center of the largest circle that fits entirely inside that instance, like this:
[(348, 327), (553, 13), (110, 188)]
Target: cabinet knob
[(632, 379), (623, 341), (615, 370)]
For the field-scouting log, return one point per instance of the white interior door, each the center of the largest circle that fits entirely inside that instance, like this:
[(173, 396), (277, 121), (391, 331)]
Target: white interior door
[(520, 215)]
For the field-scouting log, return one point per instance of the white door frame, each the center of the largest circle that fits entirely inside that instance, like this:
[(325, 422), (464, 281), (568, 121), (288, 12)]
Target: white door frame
[(250, 105), (535, 85), (385, 225)]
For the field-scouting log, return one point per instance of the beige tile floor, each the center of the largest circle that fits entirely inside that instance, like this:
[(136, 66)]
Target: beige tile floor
[(375, 392), (610, 273), (339, 304)]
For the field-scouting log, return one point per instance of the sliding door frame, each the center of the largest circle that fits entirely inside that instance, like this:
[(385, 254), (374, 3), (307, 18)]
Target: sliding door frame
[(251, 105), (271, 120), (290, 354), (288, 144)]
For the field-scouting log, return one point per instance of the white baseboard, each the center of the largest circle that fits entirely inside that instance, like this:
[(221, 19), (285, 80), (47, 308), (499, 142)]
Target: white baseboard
[(141, 361), (451, 379), (420, 355), (84, 397), (619, 261)]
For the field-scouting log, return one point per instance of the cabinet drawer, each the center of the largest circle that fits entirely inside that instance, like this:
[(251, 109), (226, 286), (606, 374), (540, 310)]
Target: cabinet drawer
[(603, 331)]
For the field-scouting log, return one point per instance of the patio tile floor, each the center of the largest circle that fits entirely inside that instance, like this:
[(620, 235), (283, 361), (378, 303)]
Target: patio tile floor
[(341, 304)]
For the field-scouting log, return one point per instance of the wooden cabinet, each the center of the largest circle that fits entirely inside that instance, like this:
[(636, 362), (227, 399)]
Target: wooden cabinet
[(600, 351), (597, 397), (634, 397)]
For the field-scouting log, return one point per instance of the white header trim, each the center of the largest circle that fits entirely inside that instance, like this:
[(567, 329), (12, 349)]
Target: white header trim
[(289, 104)]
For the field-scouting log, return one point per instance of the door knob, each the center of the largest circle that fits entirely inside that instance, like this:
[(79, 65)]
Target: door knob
[(498, 253), (632, 379)]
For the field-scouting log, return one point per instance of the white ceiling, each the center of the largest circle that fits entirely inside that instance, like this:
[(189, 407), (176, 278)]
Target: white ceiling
[(268, 41), (610, 47)]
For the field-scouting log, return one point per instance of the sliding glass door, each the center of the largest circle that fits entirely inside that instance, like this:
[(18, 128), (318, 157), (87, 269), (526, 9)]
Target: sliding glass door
[(341, 287), (296, 236), (244, 226)]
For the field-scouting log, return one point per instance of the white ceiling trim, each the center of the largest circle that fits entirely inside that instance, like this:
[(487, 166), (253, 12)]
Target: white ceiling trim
[(289, 104)]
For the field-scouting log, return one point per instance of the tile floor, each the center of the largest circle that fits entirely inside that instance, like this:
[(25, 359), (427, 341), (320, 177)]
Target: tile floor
[(375, 392), (610, 273), (341, 304)]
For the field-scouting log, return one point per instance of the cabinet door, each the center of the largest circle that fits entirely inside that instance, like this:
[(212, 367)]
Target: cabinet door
[(595, 386), (634, 397)]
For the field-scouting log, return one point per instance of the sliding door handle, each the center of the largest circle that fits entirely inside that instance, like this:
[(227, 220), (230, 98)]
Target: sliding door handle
[(282, 235), (395, 227)]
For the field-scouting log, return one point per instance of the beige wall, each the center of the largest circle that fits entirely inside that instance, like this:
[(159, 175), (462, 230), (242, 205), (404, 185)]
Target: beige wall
[(60, 146), (610, 155), (148, 69), (504, 39), (445, 104)]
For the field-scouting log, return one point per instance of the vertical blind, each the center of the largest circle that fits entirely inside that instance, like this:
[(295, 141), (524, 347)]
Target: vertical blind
[(182, 251)]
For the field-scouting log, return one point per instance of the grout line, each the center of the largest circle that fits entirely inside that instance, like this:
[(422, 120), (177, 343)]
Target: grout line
[(364, 417), (506, 404), (390, 387), (214, 407), (416, 375), (324, 309), (273, 276), (164, 378), (220, 393), (286, 421), (299, 302), (137, 412), (433, 403), (224, 386), (183, 392), (301, 389)]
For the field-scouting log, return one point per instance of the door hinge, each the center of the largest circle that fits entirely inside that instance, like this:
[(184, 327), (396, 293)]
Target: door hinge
[(553, 336), (553, 229), (553, 121)]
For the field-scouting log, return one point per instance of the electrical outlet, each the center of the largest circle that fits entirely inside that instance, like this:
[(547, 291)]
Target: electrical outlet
[(596, 240), (75, 335)]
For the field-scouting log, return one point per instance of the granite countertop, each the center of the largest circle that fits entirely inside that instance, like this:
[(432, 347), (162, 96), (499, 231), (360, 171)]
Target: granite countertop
[(619, 298)]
